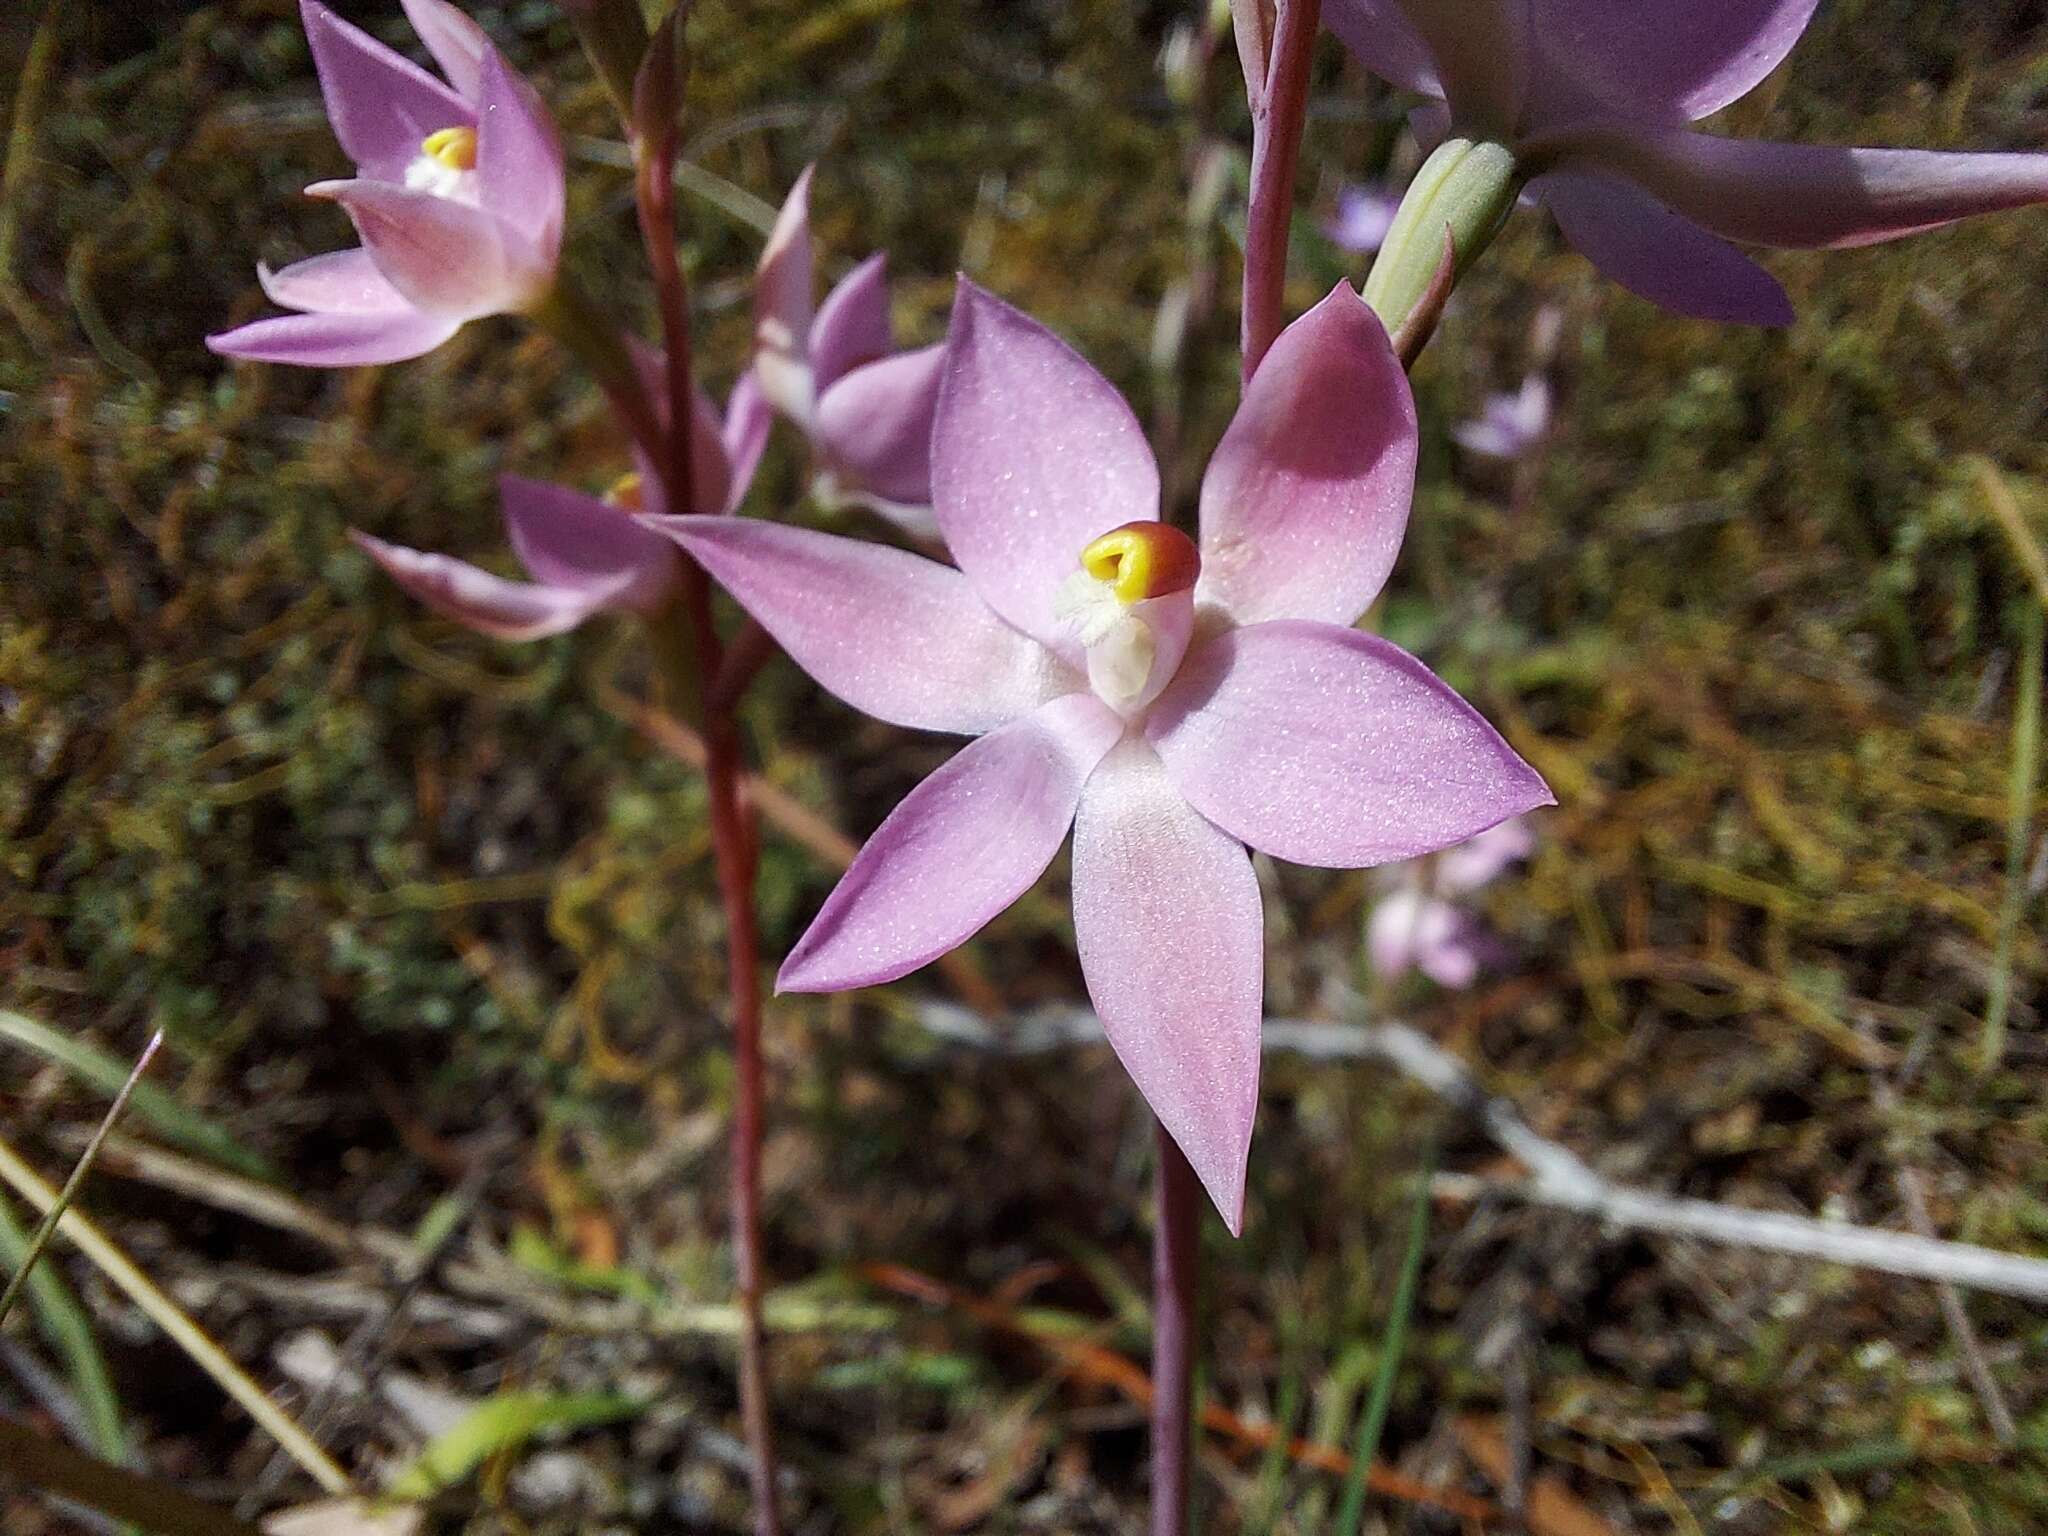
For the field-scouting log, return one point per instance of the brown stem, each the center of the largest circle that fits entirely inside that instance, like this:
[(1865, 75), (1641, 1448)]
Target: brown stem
[(1176, 1270), (751, 649), (733, 843), (1279, 107)]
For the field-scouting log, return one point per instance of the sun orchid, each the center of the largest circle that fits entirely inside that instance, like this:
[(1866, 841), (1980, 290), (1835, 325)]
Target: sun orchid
[(1510, 423), (458, 198), (1172, 701), (1417, 926), (1594, 97), (586, 555), (1362, 217), (834, 372)]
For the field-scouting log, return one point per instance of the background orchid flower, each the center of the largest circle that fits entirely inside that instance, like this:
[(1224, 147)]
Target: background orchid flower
[(457, 196), (1594, 98), (1510, 423), (586, 555), (1173, 703), (832, 370), (1362, 217), (1418, 927)]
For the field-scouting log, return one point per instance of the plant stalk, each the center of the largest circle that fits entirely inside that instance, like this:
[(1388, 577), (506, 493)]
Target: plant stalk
[(1279, 108), (1176, 1273)]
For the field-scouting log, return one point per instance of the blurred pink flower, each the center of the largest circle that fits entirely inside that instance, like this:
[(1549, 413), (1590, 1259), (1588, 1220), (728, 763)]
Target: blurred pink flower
[(1414, 929), (585, 555), (833, 371), (1508, 425), (1594, 97), (458, 199), (1172, 703), (1362, 217)]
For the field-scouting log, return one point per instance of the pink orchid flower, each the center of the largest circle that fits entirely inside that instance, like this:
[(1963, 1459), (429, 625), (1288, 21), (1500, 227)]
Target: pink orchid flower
[(1362, 217), (866, 408), (585, 555), (458, 199), (1414, 928), (1594, 97), (1173, 703), (1509, 424)]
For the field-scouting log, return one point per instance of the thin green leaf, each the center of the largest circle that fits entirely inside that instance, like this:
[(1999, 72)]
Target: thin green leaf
[(504, 1423), (2026, 766), (70, 1333)]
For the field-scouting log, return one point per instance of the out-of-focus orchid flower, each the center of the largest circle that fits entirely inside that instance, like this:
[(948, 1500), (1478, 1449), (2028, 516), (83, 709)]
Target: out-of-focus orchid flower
[(458, 199), (1414, 928), (1594, 97), (1509, 424), (586, 555), (1362, 217), (1173, 703), (833, 371)]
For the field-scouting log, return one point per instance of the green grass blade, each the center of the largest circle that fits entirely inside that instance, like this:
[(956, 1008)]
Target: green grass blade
[(1392, 1346), (2026, 766), (70, 1332), (504, 1423), (170, 1119)]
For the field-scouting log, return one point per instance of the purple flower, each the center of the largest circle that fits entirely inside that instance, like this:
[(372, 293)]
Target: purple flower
[(1418, 929), (1172, 703), (457, 197), (833, 371), (1362, 218), (1509, 424), (585, 555), (1594, 96)]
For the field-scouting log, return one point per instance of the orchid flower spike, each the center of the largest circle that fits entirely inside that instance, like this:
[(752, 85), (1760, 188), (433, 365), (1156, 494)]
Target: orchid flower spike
[(1417, 927), (866, 408), (1172, 701), (586, 555), (1593, 97), (457, 196)]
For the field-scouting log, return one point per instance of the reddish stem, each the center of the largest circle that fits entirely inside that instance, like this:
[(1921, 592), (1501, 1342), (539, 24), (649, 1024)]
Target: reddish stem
[(732, 839), (1279, 106), (1176, 1270)]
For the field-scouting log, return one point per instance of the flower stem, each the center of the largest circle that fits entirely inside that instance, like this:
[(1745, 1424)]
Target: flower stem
[(1176, 1270), (694, 654), (1279, 107)]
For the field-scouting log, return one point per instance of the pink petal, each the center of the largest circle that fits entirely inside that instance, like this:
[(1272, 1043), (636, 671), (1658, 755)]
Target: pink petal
[(576, 542), (337, 340), (961, 847), (1807, 195), (1669, 61), (458, 44), (710, 463), (1659, 256), (338, 283), (853, 323), (1325, 746), (744, 434), (381, 104), (875, 426), (519, 167), (1167, 919), (491, 605), (1410, 931), (1034, 456), (895, 635), (444, 256), (1484, 858), (1482, 54), (1379, 36), (1306, 498), (782, 307)]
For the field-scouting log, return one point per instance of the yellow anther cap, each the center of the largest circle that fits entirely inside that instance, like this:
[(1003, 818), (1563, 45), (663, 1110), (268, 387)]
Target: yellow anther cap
[(628, 492), (453, 147), (1141, 560)]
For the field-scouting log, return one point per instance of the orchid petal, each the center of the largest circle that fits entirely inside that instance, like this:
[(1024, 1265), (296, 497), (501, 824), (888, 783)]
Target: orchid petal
[(1306, 498), (491, 605), (710, 462), (782, 308), (1034, 455), (1483, 859), (1806, 195), (445, 257), (1167, 921), (744, 435), (519, 166), (853, 323), (457, 43), (1410, 931), (338, 283), (1325, 746), (875, 426), (1481, 49), (1379, 36), (1665, 61), (338, 340), (962, 846), (1659, 256), (895, 635), (381, 104), (576, 542)]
